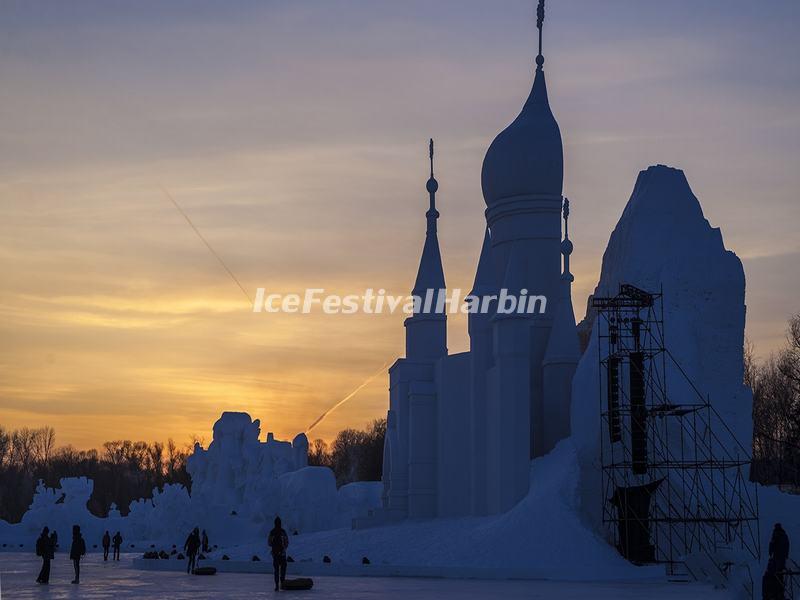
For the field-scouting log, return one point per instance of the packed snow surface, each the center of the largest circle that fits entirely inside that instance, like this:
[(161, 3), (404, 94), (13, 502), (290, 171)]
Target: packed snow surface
[(118, 580)]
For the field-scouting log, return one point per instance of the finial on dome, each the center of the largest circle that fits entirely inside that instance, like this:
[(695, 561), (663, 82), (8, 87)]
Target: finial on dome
[(432, 186), (430, 149), (539, 25), (566, 245)]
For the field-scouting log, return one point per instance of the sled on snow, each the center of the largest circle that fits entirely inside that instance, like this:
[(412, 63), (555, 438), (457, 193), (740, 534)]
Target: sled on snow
[(204, 571), (301, 583)]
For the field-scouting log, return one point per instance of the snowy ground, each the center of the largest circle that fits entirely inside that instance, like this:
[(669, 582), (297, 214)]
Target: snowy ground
[(18, 573)]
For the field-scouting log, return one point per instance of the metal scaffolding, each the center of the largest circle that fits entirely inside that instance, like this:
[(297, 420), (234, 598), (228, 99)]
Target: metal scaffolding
[(674, 477)]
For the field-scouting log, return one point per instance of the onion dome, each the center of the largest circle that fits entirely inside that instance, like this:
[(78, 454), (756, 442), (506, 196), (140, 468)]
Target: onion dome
[(526, 158)]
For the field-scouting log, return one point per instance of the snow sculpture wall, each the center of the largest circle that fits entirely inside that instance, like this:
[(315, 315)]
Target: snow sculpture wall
[(239, 485)]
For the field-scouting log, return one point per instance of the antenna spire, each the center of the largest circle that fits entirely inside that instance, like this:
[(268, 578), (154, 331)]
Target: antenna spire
[(539, 26)]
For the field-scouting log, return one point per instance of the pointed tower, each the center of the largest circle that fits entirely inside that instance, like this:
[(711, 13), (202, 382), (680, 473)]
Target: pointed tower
[(426, 343), (426, 329), (562, 355)]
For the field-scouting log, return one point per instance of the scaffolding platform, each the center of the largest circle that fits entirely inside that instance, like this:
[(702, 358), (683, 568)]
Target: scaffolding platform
[(675, 479)]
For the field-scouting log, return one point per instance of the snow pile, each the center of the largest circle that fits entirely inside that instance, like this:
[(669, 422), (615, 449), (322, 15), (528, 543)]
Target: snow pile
[(541, 537), (239, 485), (357, 499)]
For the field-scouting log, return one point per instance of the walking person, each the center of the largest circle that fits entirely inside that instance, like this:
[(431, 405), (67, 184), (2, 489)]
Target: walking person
[(278, 542), (191, 547), (117, 541), (45, 551), (77, 551), (106, 545)]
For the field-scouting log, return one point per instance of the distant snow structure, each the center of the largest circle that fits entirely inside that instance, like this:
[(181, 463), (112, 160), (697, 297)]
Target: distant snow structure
[(235, 470), (463, 428), (239, 485), (66, 503)]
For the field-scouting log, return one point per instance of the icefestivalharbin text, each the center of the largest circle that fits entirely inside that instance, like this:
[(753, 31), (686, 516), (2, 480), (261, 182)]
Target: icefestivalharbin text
[(433, 302)]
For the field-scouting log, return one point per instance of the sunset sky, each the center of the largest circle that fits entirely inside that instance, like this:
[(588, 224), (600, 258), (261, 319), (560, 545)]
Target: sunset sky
[(294, 134)]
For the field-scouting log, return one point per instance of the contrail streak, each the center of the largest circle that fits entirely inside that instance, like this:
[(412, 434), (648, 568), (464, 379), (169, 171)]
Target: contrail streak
[(210, 249), (350, 395), (250, 300)]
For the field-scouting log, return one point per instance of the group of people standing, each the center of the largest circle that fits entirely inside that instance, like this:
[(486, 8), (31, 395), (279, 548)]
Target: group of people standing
[(107, 541), (47, 544)]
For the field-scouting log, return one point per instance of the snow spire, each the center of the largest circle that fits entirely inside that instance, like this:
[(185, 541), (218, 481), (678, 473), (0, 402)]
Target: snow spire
[(430, 274), (426, 328), (539, 25), (485, 279), (563, 343), (566, 245)]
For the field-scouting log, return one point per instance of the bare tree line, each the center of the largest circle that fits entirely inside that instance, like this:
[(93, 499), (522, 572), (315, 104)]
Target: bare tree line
[(355, 455), (776, 411), (122, 470), (26, 447)]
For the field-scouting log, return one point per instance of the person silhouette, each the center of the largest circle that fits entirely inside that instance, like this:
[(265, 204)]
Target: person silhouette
[(106, 545), (278, 542), (45, 551), (779, 547), (191, 547), (77, 551), (204, 541), (117, 541)]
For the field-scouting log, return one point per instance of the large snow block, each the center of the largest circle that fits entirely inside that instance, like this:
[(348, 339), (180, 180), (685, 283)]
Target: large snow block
[(663, 242), (358, 499), (308, 499)]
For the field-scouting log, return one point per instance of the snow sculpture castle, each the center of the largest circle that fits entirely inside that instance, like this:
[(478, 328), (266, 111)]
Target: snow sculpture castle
[(462, 428)]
